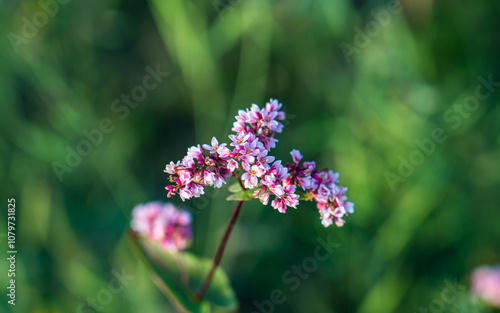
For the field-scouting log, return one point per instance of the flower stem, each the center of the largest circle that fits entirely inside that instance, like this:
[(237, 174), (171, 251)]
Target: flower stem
[(220, 251), (241, 184), (236, 174)]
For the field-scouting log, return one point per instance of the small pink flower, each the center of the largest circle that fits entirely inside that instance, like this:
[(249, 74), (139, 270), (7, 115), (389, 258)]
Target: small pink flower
[(296, 156), (219, 181), (262, 195), (197, 189), (349, 207), (279, 205), (279, 170), (268, 118), (309, 165), (242, 116), (264, 159), (171, 167), (250, 177), (269, 179), (238, 127), (332, 177), (188, 162), (339, 222), (185, 177), (277, 190), (232, 165), (254, 115), (273, 105), (195, 152), (241, 138), (208, 177), (305, 182), (292, 200), (326, 217), (185, 193), (248, 151), (322, 194), (269, 142), (216, 148)]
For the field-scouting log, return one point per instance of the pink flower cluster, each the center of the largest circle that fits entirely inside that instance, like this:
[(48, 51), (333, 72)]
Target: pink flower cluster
[(255, 137), (163, 223), (260, 172), (486, 284), (322, 186), (199, 169)]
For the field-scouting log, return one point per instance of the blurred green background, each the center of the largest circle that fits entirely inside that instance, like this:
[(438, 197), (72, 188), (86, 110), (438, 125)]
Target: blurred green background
[(361, 82)]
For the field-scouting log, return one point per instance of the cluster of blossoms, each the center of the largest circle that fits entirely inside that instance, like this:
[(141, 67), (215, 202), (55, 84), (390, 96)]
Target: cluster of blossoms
[(486, 284), (322, 187), (260, 172), (163, 223)]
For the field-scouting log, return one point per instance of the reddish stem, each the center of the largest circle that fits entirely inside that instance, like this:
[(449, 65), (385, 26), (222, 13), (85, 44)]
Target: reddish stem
[(220, 251), (241, 184)]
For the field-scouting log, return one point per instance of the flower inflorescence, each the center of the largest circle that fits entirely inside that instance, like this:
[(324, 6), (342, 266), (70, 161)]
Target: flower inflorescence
[(211, 165), (163, 223)]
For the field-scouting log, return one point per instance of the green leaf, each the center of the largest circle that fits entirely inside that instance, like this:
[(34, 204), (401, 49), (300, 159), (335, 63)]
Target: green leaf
[(179, 274), (243, 195), (235, 188), (304, 195)]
